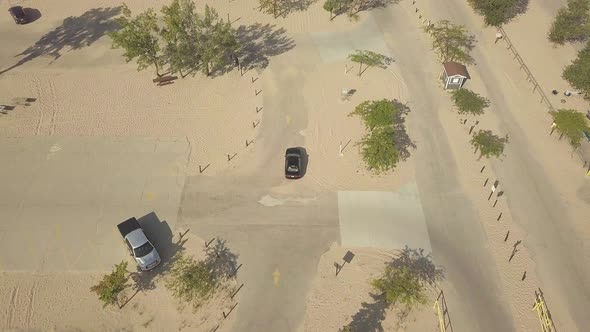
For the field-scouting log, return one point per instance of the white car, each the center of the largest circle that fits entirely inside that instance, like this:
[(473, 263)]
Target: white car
[(139, 246)]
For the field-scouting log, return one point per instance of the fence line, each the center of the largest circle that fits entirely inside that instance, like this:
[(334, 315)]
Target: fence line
[(444, 320), (530, 77), (533, 80), (543, 313)]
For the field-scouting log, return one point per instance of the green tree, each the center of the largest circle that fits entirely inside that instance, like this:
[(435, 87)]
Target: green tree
[(111, 285), (369, 58), (488, 143), (139, 38), (269, 6), (451, 42), (190, 280), (379, 150), (407, 277), (571, 124), (181, 35), (379, 113), (354, 6), (497, 12), (217, 41), (578, 72), (401, 285), (331, 6), (386, 142), (469, 102), (572, 22)]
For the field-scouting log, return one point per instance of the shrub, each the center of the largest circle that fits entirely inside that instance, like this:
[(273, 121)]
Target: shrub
[(570, 123), (497, 12), (572, 22), (469, 102), (190, 280), (488, 143), (111, 285), (578, 72)]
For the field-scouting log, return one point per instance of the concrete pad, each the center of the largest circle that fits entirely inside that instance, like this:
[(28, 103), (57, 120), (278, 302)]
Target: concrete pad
[(336, 46), (8, 217), (62, 198), (389, 220)]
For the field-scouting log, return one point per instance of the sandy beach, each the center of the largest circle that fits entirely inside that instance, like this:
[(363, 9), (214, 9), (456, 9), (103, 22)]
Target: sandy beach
[(236, 127), (63, 302)]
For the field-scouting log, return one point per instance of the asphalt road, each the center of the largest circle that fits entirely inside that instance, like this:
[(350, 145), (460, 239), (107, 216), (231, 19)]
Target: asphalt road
[(562, 257), (279, 238), (457, 237), (290, 237), (560, 252), (62, 198), (280, 235)]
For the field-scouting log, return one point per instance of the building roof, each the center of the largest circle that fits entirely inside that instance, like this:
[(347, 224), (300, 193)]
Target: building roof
[(453, 68)]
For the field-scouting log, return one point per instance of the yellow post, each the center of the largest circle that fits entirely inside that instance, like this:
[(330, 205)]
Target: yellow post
[(543, 313), (438, 304)]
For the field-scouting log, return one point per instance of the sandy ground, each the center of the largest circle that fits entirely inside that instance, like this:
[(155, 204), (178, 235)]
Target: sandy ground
[(330, 127), (63, 302), (83, 88), (336, 301)]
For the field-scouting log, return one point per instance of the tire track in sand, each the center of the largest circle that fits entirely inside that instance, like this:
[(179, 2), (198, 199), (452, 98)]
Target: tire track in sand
[(30, 311), (11, 307)]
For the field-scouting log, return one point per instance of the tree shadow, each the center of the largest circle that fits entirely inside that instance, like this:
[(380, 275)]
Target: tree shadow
[(519, 8), (222, 262), (347, 7), (386, 62), (402, 316), (259, 42), (374, 4), (369, 317), (161, 236), (402, 141), (73, 34), (419, 264)]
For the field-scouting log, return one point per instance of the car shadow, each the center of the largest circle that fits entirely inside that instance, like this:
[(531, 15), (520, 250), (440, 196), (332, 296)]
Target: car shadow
[(32, 14)]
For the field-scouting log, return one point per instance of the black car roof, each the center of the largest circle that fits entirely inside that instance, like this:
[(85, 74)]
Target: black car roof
[(128, 226), (294, 151)]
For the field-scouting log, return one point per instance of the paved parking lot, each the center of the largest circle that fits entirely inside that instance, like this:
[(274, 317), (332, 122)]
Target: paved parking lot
[(62, 197)]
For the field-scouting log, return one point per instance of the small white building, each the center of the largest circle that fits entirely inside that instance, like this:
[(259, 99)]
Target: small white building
[(454, 75)]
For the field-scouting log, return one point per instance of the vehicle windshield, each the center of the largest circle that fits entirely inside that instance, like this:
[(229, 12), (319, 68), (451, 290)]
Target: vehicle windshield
[(292, 164), (292, 168), (143, 250)]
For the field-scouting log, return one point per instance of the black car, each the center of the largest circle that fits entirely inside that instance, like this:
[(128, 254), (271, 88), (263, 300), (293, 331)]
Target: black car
[(293, 163), (18, 14)]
